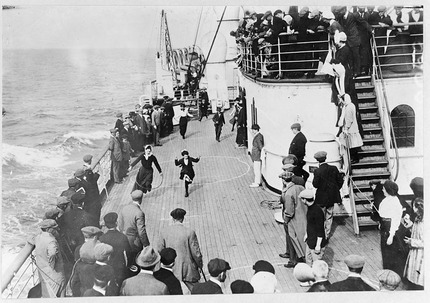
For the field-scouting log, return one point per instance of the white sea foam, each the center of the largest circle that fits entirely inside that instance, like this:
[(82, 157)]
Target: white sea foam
[(88, 138), (27, 156)]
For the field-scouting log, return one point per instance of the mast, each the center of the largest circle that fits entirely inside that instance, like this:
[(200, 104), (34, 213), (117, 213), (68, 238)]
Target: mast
[(168, 47)]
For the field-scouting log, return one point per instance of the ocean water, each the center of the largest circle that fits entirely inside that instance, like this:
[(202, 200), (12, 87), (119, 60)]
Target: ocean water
[(60, 105)]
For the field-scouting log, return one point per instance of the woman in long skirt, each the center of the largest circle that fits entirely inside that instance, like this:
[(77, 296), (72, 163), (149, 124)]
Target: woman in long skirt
[(414, 269), (391, 212), (146, 172), (350, 128), (187, 171), (183, 120)]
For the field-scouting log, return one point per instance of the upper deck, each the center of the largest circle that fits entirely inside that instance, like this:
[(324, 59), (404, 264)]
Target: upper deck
[(227, 215)]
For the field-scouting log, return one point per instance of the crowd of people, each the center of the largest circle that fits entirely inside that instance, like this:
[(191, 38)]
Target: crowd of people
[(293, 30), (78, 253)]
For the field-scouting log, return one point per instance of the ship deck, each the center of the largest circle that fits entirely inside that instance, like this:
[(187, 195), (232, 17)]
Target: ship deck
[(230, 221)]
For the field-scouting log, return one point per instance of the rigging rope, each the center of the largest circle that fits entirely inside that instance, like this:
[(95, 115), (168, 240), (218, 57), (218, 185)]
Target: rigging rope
[(195, 39)]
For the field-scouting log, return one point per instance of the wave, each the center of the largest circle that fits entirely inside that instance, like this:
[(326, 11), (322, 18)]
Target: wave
[(19, 156), (87, 138)]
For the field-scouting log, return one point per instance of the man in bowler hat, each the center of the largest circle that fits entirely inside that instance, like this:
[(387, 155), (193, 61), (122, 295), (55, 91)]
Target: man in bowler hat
[(218, 270), (184, 241)]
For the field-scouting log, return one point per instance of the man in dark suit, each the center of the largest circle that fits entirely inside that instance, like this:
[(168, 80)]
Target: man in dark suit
[(102, 276), (365, 31), (184, 241), (156, 122), (328, 181), (257, 147), (73, 221), (298, 149), (132, 223), (218, 270), (116, 154), (353, 282), (145, 284), (385, 22), (120, 244), (165, 273), (169, 114), (73, 187), (92, 200), (219, 121)]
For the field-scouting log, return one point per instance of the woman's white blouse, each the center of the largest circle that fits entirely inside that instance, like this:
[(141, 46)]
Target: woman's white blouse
[(390, 208)]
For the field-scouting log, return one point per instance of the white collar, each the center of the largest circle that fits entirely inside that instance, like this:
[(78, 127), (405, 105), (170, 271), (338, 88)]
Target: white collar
[(346, 15), (144, 271), (100, 290), (354, 275), (137, 203), (215, 280), (167, 268), (101, 263)]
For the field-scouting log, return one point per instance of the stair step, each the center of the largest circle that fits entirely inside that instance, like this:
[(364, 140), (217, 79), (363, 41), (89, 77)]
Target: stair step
[(376, 147), (369, 170), (364, 184), (366, 221), (368, 107), (369, 164), (369, 118), (365, 153), (373, 136), (372, 129), (368, 176), (373, 140), (359, 79), (366, 96), (369, 125), (363, 209), (363, 86)]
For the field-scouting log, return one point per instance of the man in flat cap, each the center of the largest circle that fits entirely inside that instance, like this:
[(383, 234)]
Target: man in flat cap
[(257, 147), (328, 181), (388, 280), (120, 244), (116, 154), (354, 282), (320, 271), (145, 284), (73, 188), (103, 253), (131, 222), (83, 184), (73, 221), (102, 276), (91, 239), (49, 260), (298, 149), (165, 273), (119, 122), (241, 287), (156, 123), (184, 241), (218, 270), (315, 234)]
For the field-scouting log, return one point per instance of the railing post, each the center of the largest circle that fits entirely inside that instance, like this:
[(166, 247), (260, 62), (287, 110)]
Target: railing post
[(279, 58)]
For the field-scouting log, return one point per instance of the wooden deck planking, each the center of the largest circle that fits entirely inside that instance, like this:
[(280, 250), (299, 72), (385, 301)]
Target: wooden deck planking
[(226, 213)]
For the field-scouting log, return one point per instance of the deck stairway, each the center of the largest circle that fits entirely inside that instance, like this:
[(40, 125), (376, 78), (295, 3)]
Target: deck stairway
[(374, 164)]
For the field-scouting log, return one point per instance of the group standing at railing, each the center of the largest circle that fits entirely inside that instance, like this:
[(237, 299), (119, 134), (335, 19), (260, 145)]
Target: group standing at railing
[(292, 45)]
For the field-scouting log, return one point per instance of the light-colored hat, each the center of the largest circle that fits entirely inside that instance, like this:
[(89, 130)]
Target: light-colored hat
[(306, 194), (354, 261), (61, 200), (102, 251), (320, 155), (389, 278), (137, 195), (147, 257), (87, 158), (303, 272), (79, 173), (342, 37), (90, 231), (47, 223)]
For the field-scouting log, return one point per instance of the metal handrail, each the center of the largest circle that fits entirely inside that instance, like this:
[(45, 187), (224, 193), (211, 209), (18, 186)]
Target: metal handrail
[(348, 177), (378, 73)]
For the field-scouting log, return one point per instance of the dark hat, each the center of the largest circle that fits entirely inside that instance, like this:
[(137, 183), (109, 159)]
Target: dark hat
[(136, 195), (255, 126), (48, 223), (184, 152), (298, 180), (354, 261), (168, 255), (321, 155), (61, 200), (147, 257), (90, 231), (102, 251), (178, 213), (306, 194), (79, 173), (296, 125), (72, 182), (110, 219), (277, 12), (391, 187), (119, 115), (87, 158), (241, 287), (52, 214), (104, 273), (263, 265), (78, 198), (389, 278), (417, 185), (217, 266)]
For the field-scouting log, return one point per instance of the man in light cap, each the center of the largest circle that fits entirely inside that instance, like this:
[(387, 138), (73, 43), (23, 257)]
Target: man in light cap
[(315, 235), (354, 282), (388, 280), (132, 223), (91, 239), (184, 241), (103, 253), (328, 182), (49, 260), (116, 154), (165, 273), (145, 284), (218, 270), (121, 246), (73, 188), (320, 271), (298, 149)]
